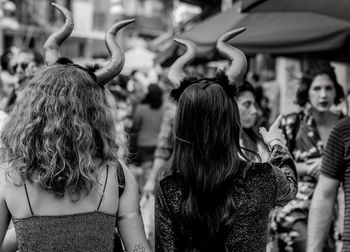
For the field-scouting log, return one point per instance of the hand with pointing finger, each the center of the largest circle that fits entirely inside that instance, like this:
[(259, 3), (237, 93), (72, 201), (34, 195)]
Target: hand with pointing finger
[(274, 135)]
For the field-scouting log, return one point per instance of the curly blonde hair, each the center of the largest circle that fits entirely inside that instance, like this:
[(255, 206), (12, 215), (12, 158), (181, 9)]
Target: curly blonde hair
[(59, 130)]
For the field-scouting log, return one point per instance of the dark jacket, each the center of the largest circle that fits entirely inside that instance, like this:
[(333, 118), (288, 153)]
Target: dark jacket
[(255, 193)]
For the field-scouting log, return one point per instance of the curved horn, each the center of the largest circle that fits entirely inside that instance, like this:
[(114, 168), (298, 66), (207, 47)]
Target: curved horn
[(239, 63), (52, 44), (116, 63), (175, 73)]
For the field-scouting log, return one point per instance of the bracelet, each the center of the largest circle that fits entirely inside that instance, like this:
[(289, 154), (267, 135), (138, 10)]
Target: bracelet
[(129, 215), (278, 139)]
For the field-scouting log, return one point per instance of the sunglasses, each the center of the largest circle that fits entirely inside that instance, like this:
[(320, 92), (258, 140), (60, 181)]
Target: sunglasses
[(23, 65)]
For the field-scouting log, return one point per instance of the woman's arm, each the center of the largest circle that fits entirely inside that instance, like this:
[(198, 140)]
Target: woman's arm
[(311, 167), (129, 222), (5, 215), (282, 163), (285, 173), (10, 241)]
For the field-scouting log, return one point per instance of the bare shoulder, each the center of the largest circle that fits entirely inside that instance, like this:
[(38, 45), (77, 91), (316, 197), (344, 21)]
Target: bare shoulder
[(9, 182), (130, 182), (130, 199)]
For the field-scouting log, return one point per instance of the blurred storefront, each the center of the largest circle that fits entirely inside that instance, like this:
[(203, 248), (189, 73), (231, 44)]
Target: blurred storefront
[(30, 22)]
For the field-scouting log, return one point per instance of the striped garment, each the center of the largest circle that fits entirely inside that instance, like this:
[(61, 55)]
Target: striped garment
[(336, 165)]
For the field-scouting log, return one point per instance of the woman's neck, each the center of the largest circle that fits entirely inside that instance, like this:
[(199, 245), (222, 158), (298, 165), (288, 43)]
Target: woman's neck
[(321, 117)]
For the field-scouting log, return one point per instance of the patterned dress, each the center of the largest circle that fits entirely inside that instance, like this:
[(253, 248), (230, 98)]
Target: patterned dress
[(305, 143)]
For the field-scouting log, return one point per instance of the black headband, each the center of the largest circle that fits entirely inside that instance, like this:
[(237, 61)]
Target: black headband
[(90, 69), (220, 79)]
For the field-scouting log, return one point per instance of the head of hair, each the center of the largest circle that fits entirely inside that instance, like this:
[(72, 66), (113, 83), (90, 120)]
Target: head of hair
[(60, 131), (317, 68), (245, 86), (250, 136), (154, 97), (207, 155)]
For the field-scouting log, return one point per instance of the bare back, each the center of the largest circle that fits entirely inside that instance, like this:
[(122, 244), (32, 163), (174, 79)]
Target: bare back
[(46, 203)]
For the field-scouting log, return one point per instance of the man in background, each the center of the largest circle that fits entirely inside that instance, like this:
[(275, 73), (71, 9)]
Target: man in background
[(335, 169)]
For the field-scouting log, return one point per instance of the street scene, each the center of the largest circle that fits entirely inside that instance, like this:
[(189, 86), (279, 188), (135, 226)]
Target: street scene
[(175, 125)]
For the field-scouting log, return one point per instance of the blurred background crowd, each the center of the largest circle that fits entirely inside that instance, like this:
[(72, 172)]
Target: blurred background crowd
[(279, 48)]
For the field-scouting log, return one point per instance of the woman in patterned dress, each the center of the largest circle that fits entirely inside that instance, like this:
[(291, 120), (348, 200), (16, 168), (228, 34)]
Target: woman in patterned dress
[(307, 132)]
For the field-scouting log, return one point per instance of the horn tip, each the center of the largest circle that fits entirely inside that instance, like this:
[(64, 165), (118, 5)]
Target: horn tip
[(128, 21), (57, 6), (237, 31), (231, 34), (186, 43), (182, 41)]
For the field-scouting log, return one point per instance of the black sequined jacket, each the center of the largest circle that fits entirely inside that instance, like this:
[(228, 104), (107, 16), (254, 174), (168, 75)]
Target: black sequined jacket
[(264, 186)]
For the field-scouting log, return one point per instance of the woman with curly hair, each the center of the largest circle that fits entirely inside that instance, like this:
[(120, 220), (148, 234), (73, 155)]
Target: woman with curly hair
[(306, 132), (65, 187), (216, 198)]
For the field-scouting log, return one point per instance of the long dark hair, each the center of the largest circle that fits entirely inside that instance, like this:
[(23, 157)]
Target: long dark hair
[(250, 136), (208, 156)]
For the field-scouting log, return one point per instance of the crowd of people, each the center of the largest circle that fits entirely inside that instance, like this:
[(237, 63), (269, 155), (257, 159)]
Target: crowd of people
[(82, 148)]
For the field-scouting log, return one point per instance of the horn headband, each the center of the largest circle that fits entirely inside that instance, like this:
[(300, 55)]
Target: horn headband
[(175, 73), (228, 81), (238, 66), (117, 58), (53, 43)]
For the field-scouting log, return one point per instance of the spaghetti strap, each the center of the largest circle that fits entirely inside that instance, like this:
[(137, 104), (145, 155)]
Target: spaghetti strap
[(30, 206), (104, 188)]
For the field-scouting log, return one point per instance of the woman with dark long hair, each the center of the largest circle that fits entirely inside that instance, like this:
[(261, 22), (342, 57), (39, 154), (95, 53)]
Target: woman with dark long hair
[(64, 186), (216, 198), (251, 140)]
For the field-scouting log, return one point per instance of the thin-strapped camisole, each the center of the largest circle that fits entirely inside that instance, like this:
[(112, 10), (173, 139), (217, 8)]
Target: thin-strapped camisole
[(88, 231)]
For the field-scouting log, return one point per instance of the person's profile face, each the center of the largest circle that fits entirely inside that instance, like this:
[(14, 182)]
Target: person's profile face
[(247, 109), (20, 64), (322, 93)]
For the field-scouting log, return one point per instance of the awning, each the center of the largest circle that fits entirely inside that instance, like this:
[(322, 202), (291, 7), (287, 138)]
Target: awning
[(275, 33), (338, 9)]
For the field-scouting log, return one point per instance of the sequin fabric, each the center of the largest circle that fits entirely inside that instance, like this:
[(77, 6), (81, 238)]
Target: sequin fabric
[(262, 187), (91, 231)]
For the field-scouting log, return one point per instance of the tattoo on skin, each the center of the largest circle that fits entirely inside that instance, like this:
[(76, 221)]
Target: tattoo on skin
[(139, 248)]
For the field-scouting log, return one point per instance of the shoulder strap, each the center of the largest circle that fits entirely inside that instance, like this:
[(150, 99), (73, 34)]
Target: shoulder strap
[(25, 188), (104, 188)]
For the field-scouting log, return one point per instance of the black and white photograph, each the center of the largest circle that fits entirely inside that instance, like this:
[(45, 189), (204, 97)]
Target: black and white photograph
[(175, 125)]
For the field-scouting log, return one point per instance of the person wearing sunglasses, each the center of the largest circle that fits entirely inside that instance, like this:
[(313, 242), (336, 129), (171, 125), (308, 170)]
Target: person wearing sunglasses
[(23, 64), (26, 62)]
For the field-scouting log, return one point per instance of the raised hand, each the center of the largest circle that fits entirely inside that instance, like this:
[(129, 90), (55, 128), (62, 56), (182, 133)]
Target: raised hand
[(274, 135)]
